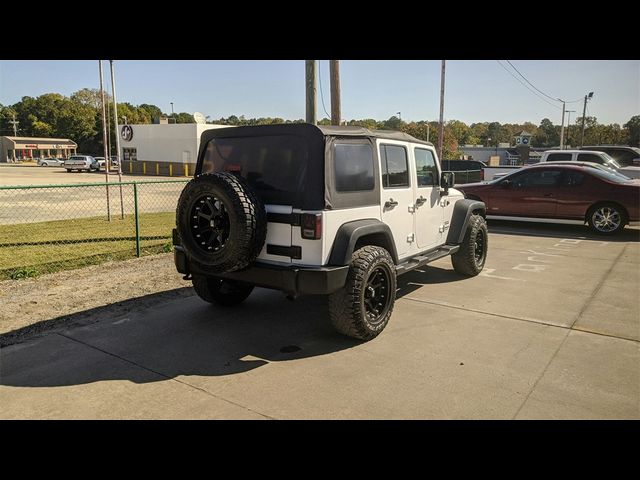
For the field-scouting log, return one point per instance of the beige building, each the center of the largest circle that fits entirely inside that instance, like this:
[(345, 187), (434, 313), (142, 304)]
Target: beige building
[(23, 148)]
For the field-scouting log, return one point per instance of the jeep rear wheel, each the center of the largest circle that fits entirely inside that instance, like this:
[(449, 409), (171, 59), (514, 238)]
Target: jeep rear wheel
[(471, 257), (222, 224), (362, 308), (220, 291)]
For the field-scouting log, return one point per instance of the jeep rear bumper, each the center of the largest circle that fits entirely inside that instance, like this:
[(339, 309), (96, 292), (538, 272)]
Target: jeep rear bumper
[(294, 279)]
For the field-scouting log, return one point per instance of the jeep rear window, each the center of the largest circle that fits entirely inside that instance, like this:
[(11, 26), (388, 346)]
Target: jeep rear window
[(353, 167), (273, 165)]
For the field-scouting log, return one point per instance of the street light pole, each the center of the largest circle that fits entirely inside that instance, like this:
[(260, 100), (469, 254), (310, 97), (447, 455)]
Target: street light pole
[(584, 112), (562, 126), (173, 115), (104, 140), (115, 114)]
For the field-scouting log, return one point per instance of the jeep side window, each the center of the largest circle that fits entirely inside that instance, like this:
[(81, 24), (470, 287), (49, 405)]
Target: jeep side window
[(395, 167), (426, 170), (353, 165)]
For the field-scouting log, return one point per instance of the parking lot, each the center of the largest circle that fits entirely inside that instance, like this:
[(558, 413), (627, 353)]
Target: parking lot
[(549, 330), (30, 174)]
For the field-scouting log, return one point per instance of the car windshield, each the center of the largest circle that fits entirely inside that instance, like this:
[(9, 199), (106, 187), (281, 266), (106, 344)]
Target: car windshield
[(610, 160), (610, 176), (608, 170)]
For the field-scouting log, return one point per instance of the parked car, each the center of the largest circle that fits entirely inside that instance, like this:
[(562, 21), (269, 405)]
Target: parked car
[(623, 154), (98, 164), (564, 193), (79, 163), (51, 162), (591, 156)]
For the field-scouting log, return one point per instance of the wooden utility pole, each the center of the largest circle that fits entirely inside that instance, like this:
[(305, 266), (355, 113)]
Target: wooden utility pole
[(312, 91), (334, 72), (441, 134)]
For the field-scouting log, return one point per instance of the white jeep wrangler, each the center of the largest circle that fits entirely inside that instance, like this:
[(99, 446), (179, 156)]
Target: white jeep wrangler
[(321, 210)]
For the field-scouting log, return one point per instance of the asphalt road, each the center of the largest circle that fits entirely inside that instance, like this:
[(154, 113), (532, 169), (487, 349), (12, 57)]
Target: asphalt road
[(45, 204), (550, 329)]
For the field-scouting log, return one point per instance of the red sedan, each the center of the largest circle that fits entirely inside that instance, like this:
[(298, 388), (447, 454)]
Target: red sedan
[(561, 193)]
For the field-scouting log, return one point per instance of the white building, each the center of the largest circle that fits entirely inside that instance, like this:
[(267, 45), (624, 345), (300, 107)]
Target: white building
[(162, 143)]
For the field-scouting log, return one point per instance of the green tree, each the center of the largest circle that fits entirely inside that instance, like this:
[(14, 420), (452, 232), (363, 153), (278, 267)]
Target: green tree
[(393, 123), (633, 131)]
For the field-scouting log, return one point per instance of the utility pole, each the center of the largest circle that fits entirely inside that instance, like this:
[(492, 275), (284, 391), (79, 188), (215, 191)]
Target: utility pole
[(334, 72), (584, 112), (311, 81), (115, 123), (569, 112), (15, 125), (428, 128), (400, 116), (173, 115), (441, 135), (104, 140), (562, 127)]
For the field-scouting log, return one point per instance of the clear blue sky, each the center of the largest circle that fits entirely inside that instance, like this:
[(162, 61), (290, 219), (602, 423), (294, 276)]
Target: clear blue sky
[(478, 90)]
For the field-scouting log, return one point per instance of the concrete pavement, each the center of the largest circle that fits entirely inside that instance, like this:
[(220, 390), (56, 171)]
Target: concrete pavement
[(551, 329)]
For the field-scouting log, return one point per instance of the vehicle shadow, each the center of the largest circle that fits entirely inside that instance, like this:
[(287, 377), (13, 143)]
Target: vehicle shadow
[(554, 230), (155, 340)]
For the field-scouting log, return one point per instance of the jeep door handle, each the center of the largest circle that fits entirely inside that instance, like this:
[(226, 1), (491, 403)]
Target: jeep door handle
[(390, 203), (420, 201)]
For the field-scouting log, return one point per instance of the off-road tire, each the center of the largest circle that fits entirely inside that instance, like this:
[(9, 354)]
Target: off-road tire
[(222, 292), (617, 215), (347, 306), (469, 261), (245, 224)]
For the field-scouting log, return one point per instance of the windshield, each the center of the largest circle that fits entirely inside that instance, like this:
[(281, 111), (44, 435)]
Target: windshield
[(609, 176), (610, 160)]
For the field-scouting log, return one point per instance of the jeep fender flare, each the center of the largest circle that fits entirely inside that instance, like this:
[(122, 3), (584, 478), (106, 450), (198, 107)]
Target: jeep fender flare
[(349, 233), (462, 211)]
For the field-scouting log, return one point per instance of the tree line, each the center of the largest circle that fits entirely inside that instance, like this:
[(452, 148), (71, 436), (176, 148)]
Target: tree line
[(78, 117)]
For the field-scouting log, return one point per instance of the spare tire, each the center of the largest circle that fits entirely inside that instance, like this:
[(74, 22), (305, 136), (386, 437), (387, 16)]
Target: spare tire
[(221, 222)]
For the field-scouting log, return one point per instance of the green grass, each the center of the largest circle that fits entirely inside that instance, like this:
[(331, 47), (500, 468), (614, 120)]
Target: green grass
[(32, 249)]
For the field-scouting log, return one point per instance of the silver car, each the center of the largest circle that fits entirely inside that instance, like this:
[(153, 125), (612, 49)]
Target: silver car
[(51, 162)]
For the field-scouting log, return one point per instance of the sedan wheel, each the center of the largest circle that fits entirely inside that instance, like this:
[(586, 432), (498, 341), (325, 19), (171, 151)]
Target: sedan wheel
[(606, 219)]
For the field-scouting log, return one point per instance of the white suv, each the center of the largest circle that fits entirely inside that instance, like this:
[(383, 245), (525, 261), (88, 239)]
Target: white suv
[(590, 156), (321, 210)]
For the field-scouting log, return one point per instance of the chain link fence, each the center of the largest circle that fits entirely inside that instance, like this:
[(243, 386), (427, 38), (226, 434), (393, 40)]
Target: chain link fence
[(59, 227)]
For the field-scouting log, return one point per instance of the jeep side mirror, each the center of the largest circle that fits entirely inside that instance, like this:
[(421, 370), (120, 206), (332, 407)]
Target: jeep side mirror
[(447, 180)]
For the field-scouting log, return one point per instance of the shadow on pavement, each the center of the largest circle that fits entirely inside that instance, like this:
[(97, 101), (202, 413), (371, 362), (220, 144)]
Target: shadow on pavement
[(554, 230), (159, 339)]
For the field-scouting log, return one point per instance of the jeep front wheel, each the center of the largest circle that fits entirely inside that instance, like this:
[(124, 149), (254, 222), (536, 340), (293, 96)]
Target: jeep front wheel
[(220, 291), (470, 259), (362, 308)]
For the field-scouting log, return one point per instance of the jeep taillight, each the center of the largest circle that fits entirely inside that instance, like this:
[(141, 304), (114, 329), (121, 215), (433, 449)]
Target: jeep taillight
[(311, 226)]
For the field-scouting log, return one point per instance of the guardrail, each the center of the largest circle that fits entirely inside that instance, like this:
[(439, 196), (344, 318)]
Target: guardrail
[(45, 228)]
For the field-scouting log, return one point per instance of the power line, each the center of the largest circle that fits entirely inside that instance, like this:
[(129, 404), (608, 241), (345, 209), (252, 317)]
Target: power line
[(548, 96), (525, 85), (526, 80), (321, 94)]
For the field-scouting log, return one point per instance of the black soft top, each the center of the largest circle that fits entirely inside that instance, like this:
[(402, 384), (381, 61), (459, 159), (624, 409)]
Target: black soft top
[(314, 189), (308, 130)]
